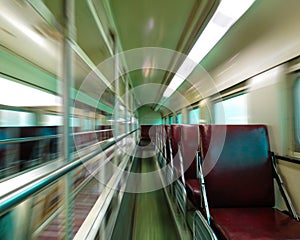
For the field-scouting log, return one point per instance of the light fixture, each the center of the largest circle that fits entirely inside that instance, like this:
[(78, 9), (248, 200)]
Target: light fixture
[(227, 13)]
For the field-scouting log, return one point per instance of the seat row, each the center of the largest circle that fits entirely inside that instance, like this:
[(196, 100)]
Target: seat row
[(227, 173)]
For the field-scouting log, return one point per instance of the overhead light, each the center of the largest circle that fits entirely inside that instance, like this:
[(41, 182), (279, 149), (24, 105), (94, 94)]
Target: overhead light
[(19, 95), (227, 13)]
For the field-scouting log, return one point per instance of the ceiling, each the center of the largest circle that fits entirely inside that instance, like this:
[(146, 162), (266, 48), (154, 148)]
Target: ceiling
[(133, 24), (150, 35)]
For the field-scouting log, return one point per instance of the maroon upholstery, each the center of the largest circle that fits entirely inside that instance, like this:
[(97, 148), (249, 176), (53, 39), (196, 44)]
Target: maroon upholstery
[(152, 132), (242, 176), (193, 190), (168, 135), (189, 143), (240, 186), (255, 223), (175, 139), (145, 132)]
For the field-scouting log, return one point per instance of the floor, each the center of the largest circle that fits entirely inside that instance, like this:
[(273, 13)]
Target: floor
[(145, 216)]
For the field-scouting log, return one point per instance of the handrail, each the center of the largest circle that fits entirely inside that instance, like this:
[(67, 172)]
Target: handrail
[(96, 131), (31, 139), (288, 159), (13, 198)]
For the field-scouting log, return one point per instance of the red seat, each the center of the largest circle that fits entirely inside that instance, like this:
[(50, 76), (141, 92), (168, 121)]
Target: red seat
[(239, 186), (190, 144), (145, 132), (193, 191), (175, 139), (189, 147), (255, 223), (168, 136)]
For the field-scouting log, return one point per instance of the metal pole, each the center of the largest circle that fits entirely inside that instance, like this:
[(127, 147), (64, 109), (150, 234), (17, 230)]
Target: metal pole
[(126, 105), (69, 35), (117, 86)]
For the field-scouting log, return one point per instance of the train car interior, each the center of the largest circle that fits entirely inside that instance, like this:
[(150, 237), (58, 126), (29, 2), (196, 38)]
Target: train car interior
[(149, 120)]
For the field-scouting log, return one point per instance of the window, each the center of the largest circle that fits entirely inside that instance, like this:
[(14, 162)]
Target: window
[(87, 124), (170, 120), (75, 122), (194, 116), (52, 120), (10, 118), (232, 111), (27, 96), (297, 114), (174, 119), (179, 118)]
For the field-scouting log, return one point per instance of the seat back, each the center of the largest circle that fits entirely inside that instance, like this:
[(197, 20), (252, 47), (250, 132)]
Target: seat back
[(242, 175), (145, 132), (168, 136), (189, 147), (156, 133), (175, 139), (152, 132)]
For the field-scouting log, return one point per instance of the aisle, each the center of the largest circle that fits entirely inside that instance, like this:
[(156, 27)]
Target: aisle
[(145, 216)]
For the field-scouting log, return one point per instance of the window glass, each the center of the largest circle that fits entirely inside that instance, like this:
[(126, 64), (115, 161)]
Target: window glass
[(194, 116), (75, 122), (52, 120), (87, 124), (179, 118), (170, 120), (10, 118), (232, 111), (174, 119)]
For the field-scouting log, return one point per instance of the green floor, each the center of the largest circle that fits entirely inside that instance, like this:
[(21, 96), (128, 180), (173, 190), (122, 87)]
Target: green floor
[(145, 216)]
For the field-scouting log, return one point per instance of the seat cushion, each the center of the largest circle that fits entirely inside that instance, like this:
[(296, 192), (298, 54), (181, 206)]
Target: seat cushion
[(254, 223), (193, 191)]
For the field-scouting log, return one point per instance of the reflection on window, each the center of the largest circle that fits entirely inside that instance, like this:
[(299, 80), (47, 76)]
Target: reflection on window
[(194, 116), (297, 113), (232, 111)]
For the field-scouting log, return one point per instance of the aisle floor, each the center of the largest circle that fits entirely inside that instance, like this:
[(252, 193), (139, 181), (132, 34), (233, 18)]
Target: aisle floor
[(145, 216)]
